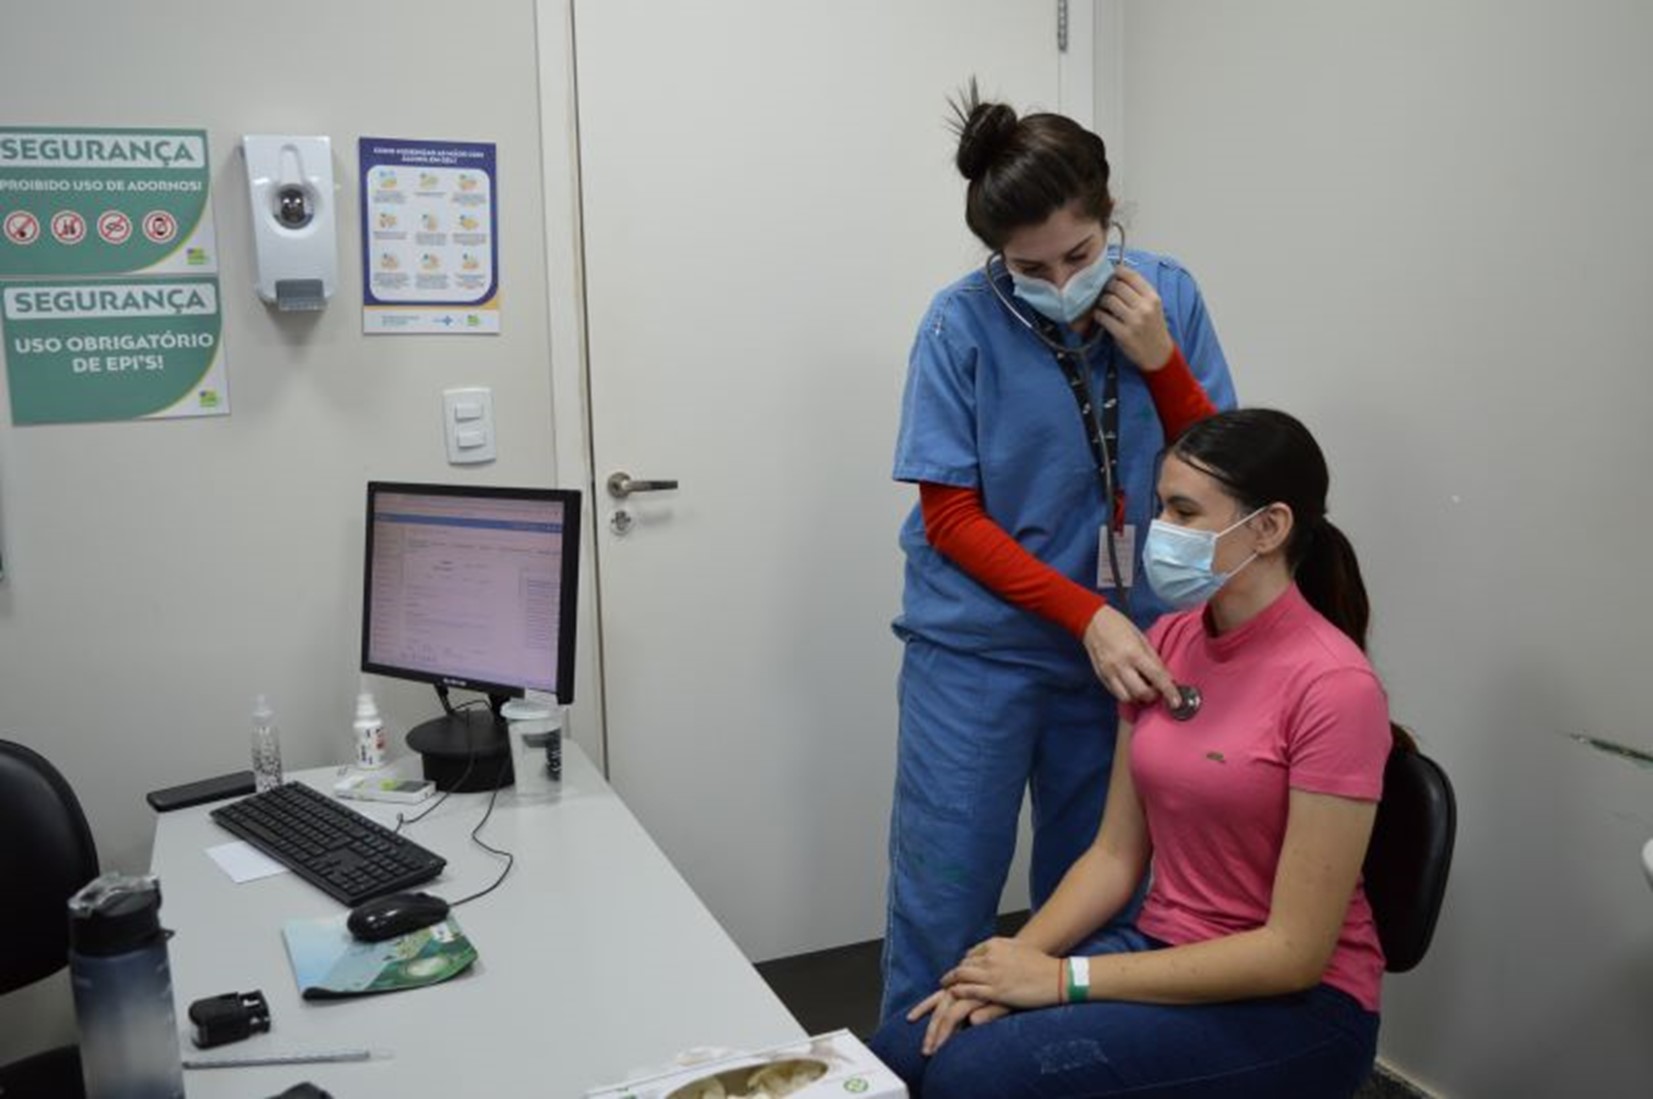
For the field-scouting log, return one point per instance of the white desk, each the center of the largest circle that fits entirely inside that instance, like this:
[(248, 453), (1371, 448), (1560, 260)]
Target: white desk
[(596, 958)]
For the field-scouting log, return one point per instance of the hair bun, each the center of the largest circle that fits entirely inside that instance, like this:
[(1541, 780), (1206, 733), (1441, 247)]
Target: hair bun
[(984, 132)]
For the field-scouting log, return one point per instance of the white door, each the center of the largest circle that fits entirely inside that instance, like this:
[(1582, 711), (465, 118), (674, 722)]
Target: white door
[(768, 203)]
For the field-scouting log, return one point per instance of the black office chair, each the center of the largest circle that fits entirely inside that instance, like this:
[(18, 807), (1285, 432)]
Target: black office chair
[(1410, 854), (46, 855)]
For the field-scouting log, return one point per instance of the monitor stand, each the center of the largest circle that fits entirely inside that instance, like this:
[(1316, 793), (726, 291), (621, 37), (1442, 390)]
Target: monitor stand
[(465, 749)]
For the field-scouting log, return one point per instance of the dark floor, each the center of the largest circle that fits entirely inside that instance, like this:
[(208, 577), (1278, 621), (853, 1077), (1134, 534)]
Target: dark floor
[(838, 988), (830, 989)]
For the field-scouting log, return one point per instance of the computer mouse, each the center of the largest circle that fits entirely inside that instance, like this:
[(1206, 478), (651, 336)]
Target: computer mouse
[(306, 1090), (394, 914)]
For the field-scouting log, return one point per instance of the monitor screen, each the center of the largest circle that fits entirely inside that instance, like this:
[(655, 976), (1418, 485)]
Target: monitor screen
[(472, 587)]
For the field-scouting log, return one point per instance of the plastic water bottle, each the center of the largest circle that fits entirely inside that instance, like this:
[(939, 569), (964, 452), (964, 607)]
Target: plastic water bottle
[(122, 982), (370, 733), (266, 747)]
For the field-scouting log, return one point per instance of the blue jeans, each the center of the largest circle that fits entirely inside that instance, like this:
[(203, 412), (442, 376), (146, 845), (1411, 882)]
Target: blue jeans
[(974, 734), (1317, 1044)]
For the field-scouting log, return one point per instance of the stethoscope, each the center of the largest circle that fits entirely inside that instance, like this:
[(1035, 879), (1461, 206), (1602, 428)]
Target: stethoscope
[(1192, 700)]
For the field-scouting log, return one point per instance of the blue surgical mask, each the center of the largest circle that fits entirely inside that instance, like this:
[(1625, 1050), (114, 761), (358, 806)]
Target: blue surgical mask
[(1073, 299), (1176, 561)]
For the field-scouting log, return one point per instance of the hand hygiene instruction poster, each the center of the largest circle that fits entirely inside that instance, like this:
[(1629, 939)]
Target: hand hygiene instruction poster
[(109, 304), (430, 237)]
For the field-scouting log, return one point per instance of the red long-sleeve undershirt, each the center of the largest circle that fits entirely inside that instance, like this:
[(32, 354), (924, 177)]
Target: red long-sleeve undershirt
[(959, 528)]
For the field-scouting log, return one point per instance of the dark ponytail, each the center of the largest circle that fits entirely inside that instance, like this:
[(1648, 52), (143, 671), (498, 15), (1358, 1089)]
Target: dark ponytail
[(1263, 456), (1329, 577), (1022, 170)]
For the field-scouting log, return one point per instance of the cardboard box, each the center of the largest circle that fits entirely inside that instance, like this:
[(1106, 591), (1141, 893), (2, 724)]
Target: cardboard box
[(834, 1064)]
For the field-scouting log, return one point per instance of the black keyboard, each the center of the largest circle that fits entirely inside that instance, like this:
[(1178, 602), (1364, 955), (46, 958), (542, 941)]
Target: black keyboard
[(341, 851)]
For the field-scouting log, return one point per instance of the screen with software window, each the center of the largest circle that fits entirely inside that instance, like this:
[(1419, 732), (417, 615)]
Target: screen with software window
[(471, 587)]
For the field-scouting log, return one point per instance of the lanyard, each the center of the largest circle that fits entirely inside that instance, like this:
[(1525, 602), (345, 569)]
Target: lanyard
[(1101, 430)]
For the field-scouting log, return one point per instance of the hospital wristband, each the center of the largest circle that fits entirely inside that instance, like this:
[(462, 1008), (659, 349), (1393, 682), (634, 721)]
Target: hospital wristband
[(1079, 979)]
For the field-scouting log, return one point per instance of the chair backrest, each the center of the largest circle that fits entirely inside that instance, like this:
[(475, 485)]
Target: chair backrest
[(1410, 855), (46, 855)]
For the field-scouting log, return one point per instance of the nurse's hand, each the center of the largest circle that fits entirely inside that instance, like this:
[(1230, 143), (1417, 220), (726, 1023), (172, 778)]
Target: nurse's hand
[(1124, 661), (1130, 310)]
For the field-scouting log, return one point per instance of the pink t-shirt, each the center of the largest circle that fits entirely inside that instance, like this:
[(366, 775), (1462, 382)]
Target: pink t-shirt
[(1289, 703)]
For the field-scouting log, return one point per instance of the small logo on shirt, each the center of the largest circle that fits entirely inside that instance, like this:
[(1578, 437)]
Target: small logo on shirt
[(1215, 757)]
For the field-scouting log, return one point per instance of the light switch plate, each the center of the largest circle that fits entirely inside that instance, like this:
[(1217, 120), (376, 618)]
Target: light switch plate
[(468, 425)]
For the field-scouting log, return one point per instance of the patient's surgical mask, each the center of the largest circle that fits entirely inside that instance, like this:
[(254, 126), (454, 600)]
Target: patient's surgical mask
[(1177, 562), (1073, 299)]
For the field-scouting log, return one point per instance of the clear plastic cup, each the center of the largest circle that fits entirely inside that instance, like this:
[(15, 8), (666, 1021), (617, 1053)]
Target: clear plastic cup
[(535, 732)]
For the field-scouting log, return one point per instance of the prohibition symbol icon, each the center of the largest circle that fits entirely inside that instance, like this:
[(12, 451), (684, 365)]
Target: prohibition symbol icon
[(114, 227), (160, 226), (22, 227), (68, 227)]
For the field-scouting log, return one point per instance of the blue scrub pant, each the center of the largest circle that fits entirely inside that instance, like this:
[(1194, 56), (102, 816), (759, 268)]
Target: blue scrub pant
[(974, 733), (1318, 1044)]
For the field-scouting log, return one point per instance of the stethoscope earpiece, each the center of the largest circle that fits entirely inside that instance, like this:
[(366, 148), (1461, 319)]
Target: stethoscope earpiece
[(1191, 702)]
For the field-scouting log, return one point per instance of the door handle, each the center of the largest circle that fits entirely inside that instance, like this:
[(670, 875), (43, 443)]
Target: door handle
[(621, 485)]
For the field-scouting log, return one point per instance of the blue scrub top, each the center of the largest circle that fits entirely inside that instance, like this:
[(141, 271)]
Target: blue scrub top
[(986, 407)]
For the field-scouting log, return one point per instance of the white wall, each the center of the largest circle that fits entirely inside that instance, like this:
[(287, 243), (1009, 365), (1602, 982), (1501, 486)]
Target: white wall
[(160, 574), (1424, 228)]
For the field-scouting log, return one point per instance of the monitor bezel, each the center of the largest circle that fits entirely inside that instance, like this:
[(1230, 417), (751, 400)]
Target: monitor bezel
[(568, 607)]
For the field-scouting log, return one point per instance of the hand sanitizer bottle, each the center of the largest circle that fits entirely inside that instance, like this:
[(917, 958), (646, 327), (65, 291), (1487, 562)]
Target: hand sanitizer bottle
[(370, 733), (266, 747)]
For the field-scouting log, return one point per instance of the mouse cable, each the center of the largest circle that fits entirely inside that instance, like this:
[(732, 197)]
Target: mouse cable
[(476, 838)]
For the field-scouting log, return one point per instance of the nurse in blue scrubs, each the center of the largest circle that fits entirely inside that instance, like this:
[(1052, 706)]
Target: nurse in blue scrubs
[(1040, 390)]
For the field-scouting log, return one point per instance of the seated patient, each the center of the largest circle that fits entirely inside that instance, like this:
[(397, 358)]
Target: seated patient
[(1254, 967)]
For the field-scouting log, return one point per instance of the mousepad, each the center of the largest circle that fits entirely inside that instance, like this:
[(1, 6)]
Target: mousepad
[(328, 962)]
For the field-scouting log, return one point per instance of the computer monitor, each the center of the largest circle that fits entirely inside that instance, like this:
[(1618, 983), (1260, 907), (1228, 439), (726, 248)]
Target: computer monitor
[(471, 587)]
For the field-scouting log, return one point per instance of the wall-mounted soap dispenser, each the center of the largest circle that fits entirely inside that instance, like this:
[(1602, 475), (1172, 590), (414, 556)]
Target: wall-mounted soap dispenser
[(290, 181)]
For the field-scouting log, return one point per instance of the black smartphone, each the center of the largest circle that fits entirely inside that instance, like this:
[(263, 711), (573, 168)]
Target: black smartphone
[(199, 793)]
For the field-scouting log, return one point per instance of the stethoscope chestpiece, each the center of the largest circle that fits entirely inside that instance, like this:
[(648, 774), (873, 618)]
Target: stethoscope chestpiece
[(1191, 702)]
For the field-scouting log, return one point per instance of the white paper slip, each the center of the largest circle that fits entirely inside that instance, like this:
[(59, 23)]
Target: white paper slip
[(244, 862)]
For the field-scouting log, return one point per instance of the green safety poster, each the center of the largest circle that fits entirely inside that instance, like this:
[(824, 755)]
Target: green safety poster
[(104, 202), (120, 221), (99, 349)]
